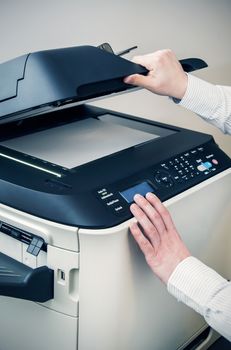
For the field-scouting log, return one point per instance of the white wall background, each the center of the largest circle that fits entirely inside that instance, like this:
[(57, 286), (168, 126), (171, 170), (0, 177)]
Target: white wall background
[(199, 28)]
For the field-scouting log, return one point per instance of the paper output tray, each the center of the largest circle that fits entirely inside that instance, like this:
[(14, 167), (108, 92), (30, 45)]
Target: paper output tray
[(20, 281)]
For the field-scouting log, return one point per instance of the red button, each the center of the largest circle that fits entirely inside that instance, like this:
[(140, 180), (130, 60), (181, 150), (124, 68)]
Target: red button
[(214, 161)]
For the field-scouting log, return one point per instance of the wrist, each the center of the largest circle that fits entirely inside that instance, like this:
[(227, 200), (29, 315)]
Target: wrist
[(164, 271), (181, 87)]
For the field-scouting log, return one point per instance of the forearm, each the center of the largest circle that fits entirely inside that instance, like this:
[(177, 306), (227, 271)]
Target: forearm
[(204, 290), (211, 102)]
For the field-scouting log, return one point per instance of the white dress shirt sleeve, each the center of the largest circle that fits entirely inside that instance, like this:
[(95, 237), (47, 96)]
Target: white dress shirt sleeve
[(205, 291), (211, 102), (192, 282)]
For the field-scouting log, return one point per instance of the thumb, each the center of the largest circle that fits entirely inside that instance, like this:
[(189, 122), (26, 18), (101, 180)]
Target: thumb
[(138, 80)]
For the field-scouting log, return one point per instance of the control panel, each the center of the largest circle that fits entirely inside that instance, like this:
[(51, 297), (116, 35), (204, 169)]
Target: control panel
[(164, 179)]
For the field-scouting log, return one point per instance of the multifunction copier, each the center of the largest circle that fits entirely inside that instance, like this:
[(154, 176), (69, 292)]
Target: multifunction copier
[(71, 275)]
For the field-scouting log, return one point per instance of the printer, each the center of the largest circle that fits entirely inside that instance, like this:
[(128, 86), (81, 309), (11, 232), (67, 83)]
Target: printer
[(71, 275)]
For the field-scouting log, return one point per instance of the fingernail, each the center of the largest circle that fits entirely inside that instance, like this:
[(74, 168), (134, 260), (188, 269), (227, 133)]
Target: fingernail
[(132, 207), (127, 80), (137, 196)]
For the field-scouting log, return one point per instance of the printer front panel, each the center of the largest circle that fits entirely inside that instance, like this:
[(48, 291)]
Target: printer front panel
[(56, 320)]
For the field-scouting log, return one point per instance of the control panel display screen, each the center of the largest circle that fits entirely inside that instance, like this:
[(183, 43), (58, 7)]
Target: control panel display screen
[(143, 188)]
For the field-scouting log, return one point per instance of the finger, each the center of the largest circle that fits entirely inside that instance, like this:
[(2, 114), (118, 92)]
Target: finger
[(151, 212), (138, 80), (162, 210), (147, 226), (145, 61), (144, 244)]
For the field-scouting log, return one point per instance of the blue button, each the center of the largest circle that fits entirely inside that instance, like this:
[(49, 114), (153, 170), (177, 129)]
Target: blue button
[(208, 165)]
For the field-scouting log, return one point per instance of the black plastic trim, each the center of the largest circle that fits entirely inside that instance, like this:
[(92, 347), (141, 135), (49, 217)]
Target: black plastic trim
[(20, 281), (192, 64)]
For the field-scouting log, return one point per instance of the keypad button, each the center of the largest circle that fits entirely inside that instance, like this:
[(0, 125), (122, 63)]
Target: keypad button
[(201, 167), (215, 162), (163, 178), (208, 165), (177, 179)]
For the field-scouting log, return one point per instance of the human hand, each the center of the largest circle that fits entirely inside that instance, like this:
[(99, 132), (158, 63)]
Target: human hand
[(166, 75), (157, 236)]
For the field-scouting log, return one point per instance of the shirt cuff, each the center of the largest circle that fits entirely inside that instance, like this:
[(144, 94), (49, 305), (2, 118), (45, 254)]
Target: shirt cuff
[(194, 283), (201, 97)]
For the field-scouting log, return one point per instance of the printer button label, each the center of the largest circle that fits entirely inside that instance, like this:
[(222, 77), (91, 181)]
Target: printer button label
[(119, 210), (113, 201), (101, 191), (107, 195)]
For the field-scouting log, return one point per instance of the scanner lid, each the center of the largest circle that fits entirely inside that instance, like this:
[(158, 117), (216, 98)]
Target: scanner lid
[(42, 81)]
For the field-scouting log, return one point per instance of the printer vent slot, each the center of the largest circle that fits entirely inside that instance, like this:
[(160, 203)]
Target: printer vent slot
[(21, 235), (6, 229), (26, 238)]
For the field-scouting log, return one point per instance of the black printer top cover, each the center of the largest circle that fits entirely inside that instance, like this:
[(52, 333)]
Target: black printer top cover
[(42, 80)]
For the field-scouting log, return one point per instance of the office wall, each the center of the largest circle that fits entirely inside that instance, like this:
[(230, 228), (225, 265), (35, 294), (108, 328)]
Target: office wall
[(199, 28)]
